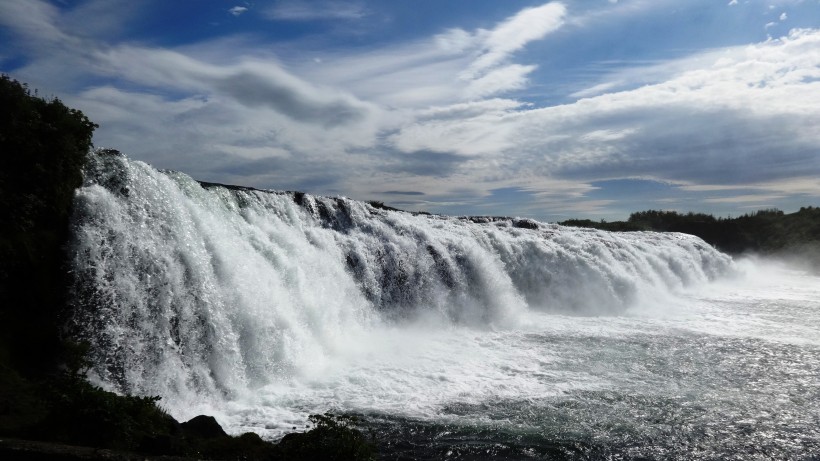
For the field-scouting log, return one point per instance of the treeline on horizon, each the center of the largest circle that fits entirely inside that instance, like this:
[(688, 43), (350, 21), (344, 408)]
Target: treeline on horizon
[(764, 232)]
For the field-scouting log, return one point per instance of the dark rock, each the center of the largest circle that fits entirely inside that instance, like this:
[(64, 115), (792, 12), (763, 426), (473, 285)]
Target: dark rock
[(299, 198), (525, 224), (203, 427)]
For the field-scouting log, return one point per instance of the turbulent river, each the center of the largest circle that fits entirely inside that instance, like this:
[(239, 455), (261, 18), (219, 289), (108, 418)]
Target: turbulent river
[(450, 338)]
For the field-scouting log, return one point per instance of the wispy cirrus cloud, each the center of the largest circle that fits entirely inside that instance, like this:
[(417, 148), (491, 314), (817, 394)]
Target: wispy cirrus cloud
[(238, 10), (513, 34), (455, 65), (297, 10), (36, 21), (250, 82)]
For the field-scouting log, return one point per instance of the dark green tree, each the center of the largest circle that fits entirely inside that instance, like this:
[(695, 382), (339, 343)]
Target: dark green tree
[(43, 148), (769, 231)]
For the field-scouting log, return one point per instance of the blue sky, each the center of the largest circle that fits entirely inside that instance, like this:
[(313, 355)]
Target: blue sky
[(585, 108)]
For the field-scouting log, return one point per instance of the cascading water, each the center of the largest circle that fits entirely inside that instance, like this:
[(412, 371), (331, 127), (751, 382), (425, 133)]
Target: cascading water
[(185, 288), (262, 306)]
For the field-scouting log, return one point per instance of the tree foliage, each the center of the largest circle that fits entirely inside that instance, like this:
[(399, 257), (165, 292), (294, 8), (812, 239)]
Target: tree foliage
[(333, 437), (764, 231), (43, 148)]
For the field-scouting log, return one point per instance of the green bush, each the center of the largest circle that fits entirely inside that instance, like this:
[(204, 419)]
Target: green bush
[(43, 147), (333, 437)]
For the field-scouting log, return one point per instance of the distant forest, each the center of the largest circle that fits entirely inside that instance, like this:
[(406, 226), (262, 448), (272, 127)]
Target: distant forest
[(765, 232)]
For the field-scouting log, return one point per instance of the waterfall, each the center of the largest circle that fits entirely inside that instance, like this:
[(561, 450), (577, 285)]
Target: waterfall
[(185, 288)]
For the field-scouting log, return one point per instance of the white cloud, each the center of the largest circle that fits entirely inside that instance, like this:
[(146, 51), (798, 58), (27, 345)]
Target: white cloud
[(722, 62), (794, 185), (430, 115), (597, 89), (451, 67), (476, 130), (616, 11), (300, 10), (34, 20), (514, 33), (102, 18), (412, 75), (747, 115), (760, 200), (455, 41), (238, 10), (507, 78), (249, 82)]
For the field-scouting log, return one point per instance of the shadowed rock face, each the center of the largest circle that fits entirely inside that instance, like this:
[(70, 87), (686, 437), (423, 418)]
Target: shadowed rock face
[(204, 427)]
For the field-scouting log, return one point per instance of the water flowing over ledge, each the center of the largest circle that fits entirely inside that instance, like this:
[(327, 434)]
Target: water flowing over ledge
[(188, 290)]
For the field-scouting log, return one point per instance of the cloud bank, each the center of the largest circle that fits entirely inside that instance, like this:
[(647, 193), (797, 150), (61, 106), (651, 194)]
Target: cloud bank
[(439, 122)]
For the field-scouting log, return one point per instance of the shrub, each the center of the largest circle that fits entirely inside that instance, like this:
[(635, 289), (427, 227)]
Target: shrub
[(333, 437)]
